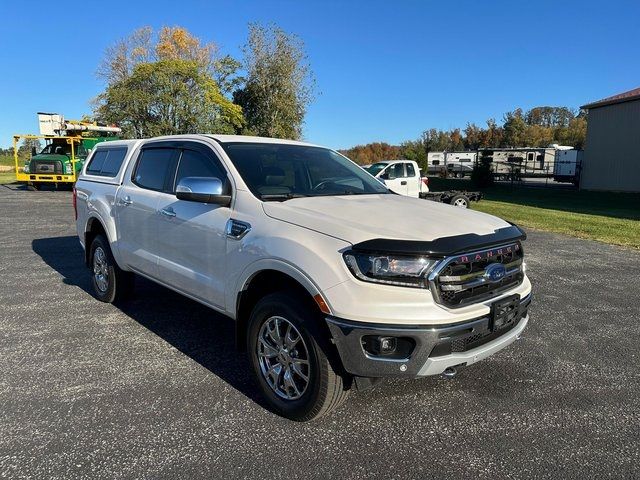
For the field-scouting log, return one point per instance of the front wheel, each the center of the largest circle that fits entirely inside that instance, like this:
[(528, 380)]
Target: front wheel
[(290, 359), (110, 283)]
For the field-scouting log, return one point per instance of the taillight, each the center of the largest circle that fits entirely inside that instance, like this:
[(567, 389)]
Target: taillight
[(425, 180), (75, 203)]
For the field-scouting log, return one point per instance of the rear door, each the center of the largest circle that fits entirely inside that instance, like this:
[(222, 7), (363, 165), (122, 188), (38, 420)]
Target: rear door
[(394, 177), (136, 208), (192, 240), (413, 179)]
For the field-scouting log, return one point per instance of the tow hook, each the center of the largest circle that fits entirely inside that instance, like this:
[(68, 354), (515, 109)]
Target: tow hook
[(450, 372)]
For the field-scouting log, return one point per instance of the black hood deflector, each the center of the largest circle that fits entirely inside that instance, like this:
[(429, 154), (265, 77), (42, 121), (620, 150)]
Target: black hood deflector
[(444, 246)]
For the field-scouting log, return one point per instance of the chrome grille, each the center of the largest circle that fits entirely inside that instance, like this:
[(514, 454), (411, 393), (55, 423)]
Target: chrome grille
[(39, 166), (467, 278)]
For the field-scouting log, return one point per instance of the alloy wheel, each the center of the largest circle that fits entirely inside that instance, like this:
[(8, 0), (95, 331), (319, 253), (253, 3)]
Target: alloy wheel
[(283, 357), (100, 269)]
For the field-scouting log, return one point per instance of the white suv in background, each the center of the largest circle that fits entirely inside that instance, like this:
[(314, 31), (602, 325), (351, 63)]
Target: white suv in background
[(332, 280)]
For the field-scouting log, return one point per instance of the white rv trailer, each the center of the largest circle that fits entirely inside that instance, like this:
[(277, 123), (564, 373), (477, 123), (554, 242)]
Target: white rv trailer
[(567, 165), (458, 164), (524, 162), (435, 162), (506, 163)]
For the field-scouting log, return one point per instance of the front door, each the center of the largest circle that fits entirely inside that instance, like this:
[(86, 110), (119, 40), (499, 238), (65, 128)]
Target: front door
[(413, 180), (191, 239)]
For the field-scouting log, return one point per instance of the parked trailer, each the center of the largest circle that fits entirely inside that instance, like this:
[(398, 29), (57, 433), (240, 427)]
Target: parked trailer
[(460, 164), (456, 164), (436, 163), (524, 162), (567, 166)]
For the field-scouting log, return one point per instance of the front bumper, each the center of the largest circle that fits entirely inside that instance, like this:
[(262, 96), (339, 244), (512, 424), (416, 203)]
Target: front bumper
[(435, 347), (48, 178)]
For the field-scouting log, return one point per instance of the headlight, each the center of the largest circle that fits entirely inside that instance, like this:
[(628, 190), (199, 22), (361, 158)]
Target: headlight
[(25, 169), (67, 168), (390, 269)]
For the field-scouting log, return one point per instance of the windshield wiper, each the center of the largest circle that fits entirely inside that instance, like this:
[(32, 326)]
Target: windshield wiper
[(280, 196)]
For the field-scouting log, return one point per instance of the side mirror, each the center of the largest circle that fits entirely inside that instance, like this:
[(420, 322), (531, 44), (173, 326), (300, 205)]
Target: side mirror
[(34, 152), (202, 190)]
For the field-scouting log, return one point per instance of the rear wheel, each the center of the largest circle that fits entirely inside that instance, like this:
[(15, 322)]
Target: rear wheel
[(110, 283), (460, 200), (290, 359)]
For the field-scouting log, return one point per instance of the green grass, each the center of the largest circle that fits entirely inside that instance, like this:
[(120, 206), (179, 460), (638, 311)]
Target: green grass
[(604, 216), (7, 160), (7, 177)]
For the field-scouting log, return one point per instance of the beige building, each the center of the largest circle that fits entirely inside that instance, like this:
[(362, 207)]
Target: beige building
[(612, 150)]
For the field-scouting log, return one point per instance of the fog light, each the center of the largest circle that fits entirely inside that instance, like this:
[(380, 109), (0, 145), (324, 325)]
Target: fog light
[(378, 345), (387, 345)]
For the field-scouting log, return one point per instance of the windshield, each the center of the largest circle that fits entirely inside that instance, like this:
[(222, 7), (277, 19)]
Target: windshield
[(63, 149), (279, 171), (376, 168)]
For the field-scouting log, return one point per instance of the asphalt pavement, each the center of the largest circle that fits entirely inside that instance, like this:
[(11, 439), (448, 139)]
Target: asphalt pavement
[(154, 389)]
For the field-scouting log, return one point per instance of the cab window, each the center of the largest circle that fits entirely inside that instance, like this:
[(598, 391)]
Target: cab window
[(154, 168), (106, 162), (394, 171), (196, 164), (411, 171)]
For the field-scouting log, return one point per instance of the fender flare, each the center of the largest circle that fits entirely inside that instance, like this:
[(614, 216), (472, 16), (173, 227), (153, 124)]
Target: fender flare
[(94, 216), (276, 264)]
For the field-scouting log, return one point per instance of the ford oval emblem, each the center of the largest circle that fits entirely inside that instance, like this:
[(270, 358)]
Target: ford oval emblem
[(495, 272)]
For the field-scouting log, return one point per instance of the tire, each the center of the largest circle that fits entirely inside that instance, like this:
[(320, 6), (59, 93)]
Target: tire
[(280, 371), (460, 200), (110, 283)]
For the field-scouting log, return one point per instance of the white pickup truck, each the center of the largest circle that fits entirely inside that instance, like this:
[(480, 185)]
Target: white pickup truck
[(332, 280), (401, 176)]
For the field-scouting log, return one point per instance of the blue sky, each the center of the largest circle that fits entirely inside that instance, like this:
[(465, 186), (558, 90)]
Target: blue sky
[(385, 71)]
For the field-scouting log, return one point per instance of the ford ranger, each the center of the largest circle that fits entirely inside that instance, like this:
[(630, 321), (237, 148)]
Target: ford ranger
[(333, 281)]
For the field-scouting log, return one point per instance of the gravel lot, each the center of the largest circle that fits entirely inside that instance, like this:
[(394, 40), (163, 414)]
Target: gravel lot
[(154, 389)]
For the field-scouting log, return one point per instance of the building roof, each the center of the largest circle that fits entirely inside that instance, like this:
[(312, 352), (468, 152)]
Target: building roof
[(619, 98)]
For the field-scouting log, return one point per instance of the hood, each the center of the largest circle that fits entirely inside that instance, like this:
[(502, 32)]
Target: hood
[(359, 218), (49, 157)]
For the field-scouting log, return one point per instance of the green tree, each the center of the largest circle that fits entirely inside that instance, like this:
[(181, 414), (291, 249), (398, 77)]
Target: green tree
[(372, 152), (415, 150), (168, 97), (168, 82), (279, 83), (27, 146), (575, 134), (549, 116), (473, 136), (514, 129)]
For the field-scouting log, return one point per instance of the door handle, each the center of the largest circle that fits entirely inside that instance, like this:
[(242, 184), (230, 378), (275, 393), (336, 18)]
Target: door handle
[(404, 182), (168, 212), (126, 201)]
